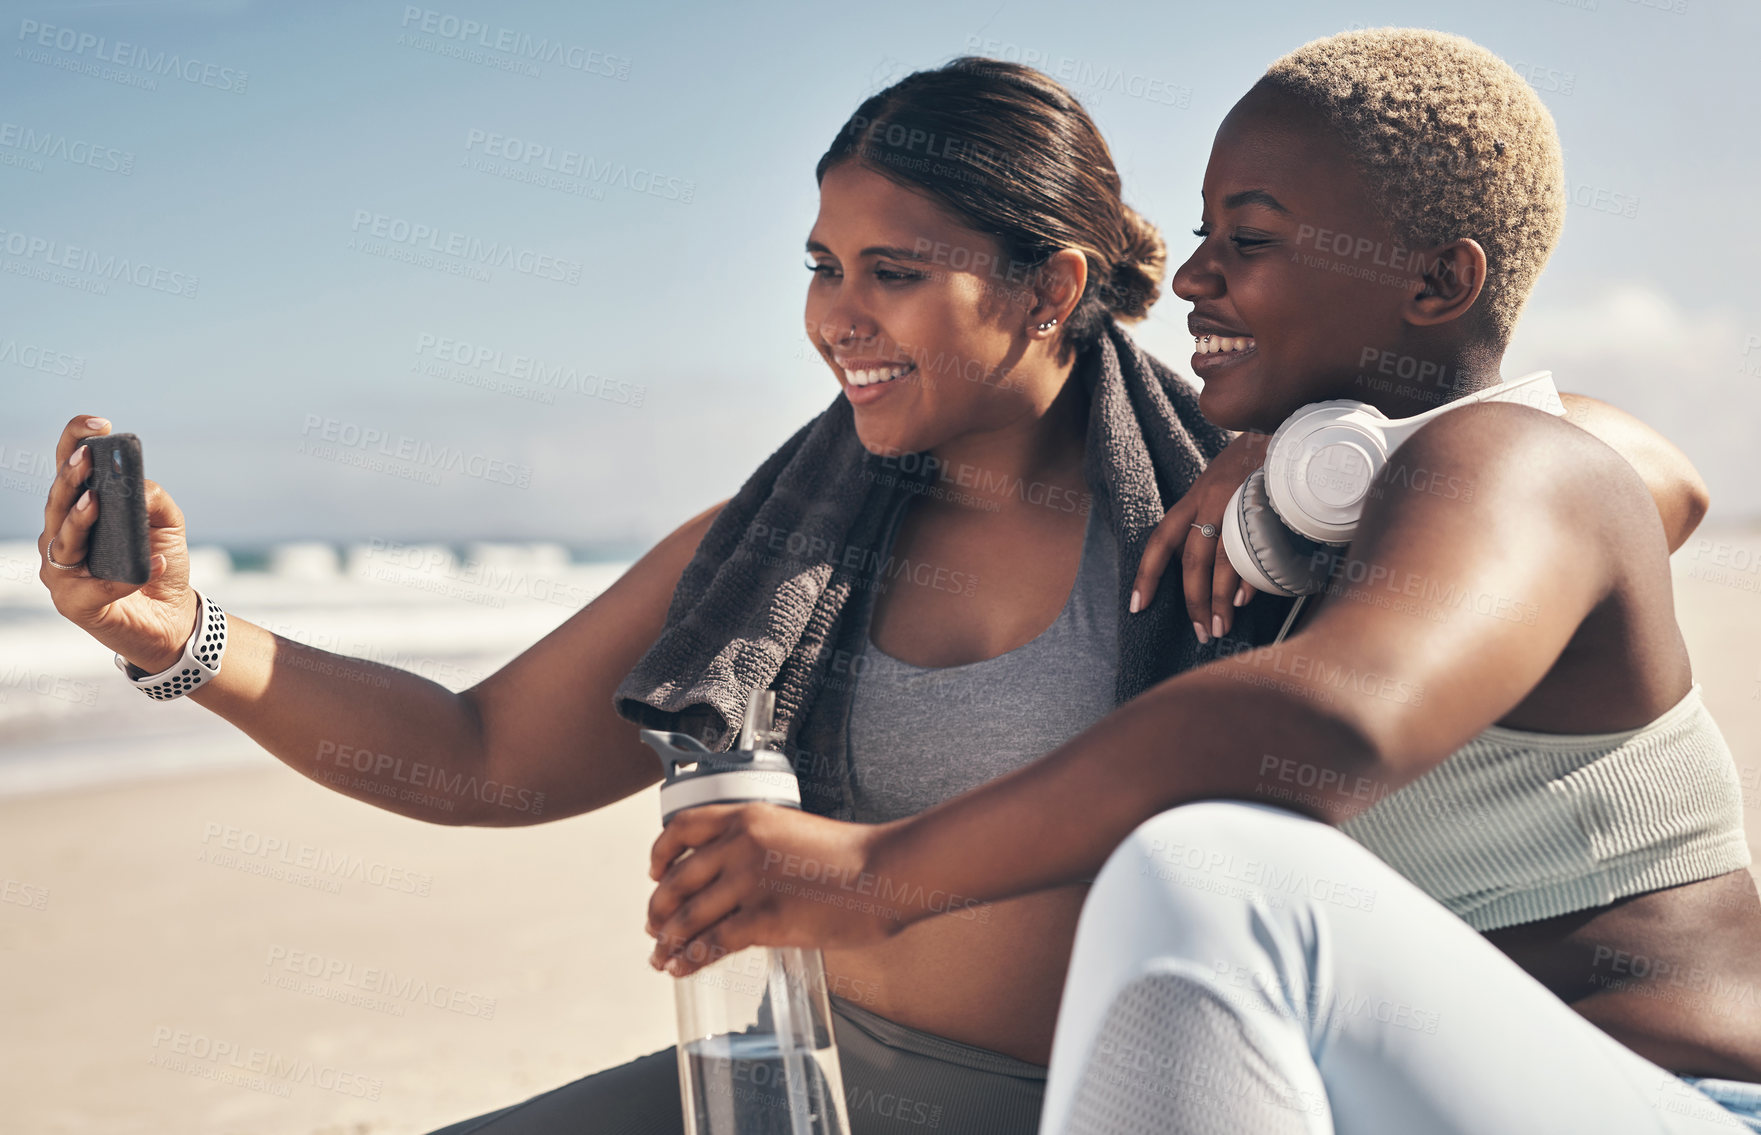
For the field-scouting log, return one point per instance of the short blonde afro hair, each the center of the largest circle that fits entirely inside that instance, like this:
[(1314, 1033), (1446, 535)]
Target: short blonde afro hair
[(1452, 142)]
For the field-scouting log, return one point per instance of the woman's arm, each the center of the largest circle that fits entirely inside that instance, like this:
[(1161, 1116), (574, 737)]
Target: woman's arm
[(1450, 611), (537, 740), (1366, 698)]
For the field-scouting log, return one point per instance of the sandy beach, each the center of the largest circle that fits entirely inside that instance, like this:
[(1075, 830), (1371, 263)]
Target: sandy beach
[(165, 940), (402, 974)]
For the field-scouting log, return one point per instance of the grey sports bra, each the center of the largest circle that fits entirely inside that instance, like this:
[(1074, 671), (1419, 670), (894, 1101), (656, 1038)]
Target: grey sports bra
[(920, 734)]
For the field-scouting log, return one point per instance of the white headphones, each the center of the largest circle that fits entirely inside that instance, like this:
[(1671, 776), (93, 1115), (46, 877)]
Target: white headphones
[(1318, 470)]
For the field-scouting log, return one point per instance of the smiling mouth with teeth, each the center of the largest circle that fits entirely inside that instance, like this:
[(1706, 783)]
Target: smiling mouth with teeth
[(870, 376), (1221, 344)]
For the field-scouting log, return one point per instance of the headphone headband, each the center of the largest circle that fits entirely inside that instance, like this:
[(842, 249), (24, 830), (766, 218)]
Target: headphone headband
[(1323, 459)]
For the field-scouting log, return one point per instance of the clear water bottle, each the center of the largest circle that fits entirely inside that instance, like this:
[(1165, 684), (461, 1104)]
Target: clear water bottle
[(756, 1051)]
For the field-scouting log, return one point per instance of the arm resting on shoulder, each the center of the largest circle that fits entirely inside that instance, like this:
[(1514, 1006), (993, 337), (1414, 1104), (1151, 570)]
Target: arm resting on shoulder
[(1680, 493), (1370, 693)]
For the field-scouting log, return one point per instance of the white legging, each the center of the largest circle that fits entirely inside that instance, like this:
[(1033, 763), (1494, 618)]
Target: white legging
[(1241, 968)]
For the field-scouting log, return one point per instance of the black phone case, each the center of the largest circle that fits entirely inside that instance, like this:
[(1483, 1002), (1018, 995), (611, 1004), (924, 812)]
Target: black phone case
[(117, 546)]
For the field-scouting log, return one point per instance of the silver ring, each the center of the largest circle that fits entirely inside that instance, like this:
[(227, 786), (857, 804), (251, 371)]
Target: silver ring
[(1208, 531), (49, 554)]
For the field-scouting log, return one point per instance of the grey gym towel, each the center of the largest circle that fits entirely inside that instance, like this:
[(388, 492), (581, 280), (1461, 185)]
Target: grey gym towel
[(779, 591)]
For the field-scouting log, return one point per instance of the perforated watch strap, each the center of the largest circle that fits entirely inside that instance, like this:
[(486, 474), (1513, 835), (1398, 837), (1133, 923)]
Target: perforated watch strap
[(200, 661)]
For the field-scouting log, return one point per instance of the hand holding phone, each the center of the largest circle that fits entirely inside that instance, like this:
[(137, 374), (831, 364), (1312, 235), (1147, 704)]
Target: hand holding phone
[(121, 564)]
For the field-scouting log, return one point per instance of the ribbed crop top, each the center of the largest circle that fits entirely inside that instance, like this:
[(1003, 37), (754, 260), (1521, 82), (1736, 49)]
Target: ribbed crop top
[(1517, 826)]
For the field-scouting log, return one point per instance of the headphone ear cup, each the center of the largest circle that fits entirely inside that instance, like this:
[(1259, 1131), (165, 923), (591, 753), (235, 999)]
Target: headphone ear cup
[(1340, 422), (1268, 556)]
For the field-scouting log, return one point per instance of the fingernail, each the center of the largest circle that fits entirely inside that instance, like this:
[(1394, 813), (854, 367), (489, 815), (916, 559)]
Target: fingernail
[(1217, 625), (73, 458), (1199, 630), (84, 498), (97, 423), (673, 967), (1240, 596), (1134, 600)]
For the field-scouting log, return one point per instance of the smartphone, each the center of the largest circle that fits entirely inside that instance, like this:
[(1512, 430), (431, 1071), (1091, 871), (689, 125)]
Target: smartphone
[(116, 547)]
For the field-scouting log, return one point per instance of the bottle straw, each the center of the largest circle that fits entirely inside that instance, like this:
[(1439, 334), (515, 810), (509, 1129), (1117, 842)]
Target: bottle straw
[(755, 731), (761, 710)]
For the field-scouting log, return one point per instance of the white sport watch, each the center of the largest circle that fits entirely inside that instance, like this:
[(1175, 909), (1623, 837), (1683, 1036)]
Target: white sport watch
[(200, 661)]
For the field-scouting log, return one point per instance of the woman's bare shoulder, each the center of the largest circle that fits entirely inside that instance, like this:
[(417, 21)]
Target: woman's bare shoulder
[(679, 545), (1487, 540), (547, 717)]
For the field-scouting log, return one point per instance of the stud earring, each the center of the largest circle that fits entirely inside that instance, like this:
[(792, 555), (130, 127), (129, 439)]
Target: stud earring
[(1047, 325)]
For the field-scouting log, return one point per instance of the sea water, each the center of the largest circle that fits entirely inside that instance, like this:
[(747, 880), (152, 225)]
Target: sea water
[(739, 1085), (68, 719)]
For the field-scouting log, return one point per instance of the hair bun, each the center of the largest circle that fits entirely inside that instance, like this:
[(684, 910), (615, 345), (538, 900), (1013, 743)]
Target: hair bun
[(1136, 281)]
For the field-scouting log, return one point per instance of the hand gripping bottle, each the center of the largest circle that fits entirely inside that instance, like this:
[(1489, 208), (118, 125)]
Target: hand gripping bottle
[(756, 1051)]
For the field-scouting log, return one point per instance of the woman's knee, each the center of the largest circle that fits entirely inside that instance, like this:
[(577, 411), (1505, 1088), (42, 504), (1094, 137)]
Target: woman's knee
[(1222, 888), (1210, 854), (1210, 836)]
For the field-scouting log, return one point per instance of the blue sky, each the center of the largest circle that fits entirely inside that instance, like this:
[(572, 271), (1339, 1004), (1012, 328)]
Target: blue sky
[(289, 209)]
